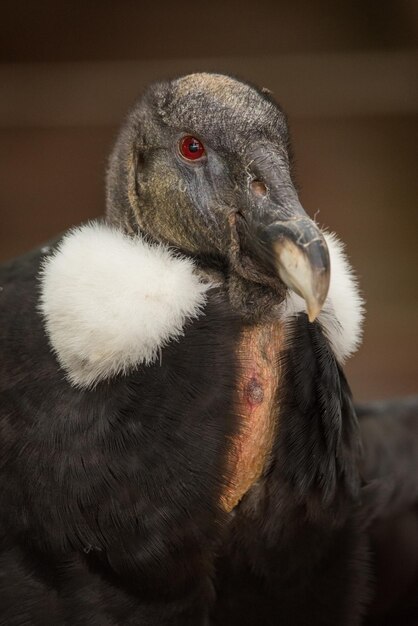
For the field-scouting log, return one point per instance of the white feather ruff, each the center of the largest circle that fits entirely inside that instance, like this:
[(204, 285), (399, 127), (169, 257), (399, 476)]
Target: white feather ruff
[(343, 312), (111, 302)]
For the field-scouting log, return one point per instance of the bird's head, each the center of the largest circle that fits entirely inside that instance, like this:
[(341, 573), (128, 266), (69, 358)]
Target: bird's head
[(202, 164)]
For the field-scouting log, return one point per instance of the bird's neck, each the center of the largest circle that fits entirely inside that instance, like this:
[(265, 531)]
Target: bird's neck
[(256, 304), (255, 400)]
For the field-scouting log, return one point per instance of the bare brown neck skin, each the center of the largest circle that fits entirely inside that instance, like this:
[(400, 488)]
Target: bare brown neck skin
[(255, 402)]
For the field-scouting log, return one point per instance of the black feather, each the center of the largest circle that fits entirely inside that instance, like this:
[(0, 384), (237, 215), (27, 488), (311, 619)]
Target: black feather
[(109, 498), (296, 552)]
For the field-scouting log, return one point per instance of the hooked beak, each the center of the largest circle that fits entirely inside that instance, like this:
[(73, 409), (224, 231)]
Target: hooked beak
[(276, 236), (287, 244), (301, 259)]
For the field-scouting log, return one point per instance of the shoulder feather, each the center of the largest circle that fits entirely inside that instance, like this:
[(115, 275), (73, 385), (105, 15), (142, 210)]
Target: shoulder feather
[(111, 302)]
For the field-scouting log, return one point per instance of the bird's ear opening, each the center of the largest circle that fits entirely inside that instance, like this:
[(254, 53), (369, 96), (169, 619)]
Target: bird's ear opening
[(122, 189), (126, 160)]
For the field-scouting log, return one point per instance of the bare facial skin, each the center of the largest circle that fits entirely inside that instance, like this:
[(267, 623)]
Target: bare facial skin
[(236, 209)]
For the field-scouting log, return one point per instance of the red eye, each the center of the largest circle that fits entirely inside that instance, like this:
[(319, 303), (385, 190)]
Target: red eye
[(191, 148)]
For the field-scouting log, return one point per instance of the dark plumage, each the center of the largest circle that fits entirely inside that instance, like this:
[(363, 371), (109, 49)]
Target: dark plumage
[(110, 504), (124, 492)]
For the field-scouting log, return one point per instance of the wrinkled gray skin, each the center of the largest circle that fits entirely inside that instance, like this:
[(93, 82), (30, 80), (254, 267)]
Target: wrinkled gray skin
[(208, 209)]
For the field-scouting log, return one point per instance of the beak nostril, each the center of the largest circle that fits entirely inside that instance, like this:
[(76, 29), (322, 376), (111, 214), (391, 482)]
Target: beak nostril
[(258, 188)]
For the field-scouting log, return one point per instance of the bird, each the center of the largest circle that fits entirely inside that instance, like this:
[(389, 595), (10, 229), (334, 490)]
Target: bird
[(178, 441)]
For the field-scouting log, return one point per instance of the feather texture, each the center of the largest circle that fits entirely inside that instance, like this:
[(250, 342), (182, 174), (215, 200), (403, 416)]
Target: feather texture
[(343, 312), (110, 498), (111, 302)]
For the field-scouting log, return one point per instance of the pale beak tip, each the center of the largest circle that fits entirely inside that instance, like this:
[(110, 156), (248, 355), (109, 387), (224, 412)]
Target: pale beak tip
[(313, 309), (312, 317)]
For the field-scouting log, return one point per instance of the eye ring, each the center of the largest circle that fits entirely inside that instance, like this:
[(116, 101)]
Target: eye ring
[(191, 149)]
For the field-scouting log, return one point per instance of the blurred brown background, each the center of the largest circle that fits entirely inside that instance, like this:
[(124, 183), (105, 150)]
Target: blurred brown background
[(345, 72)]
